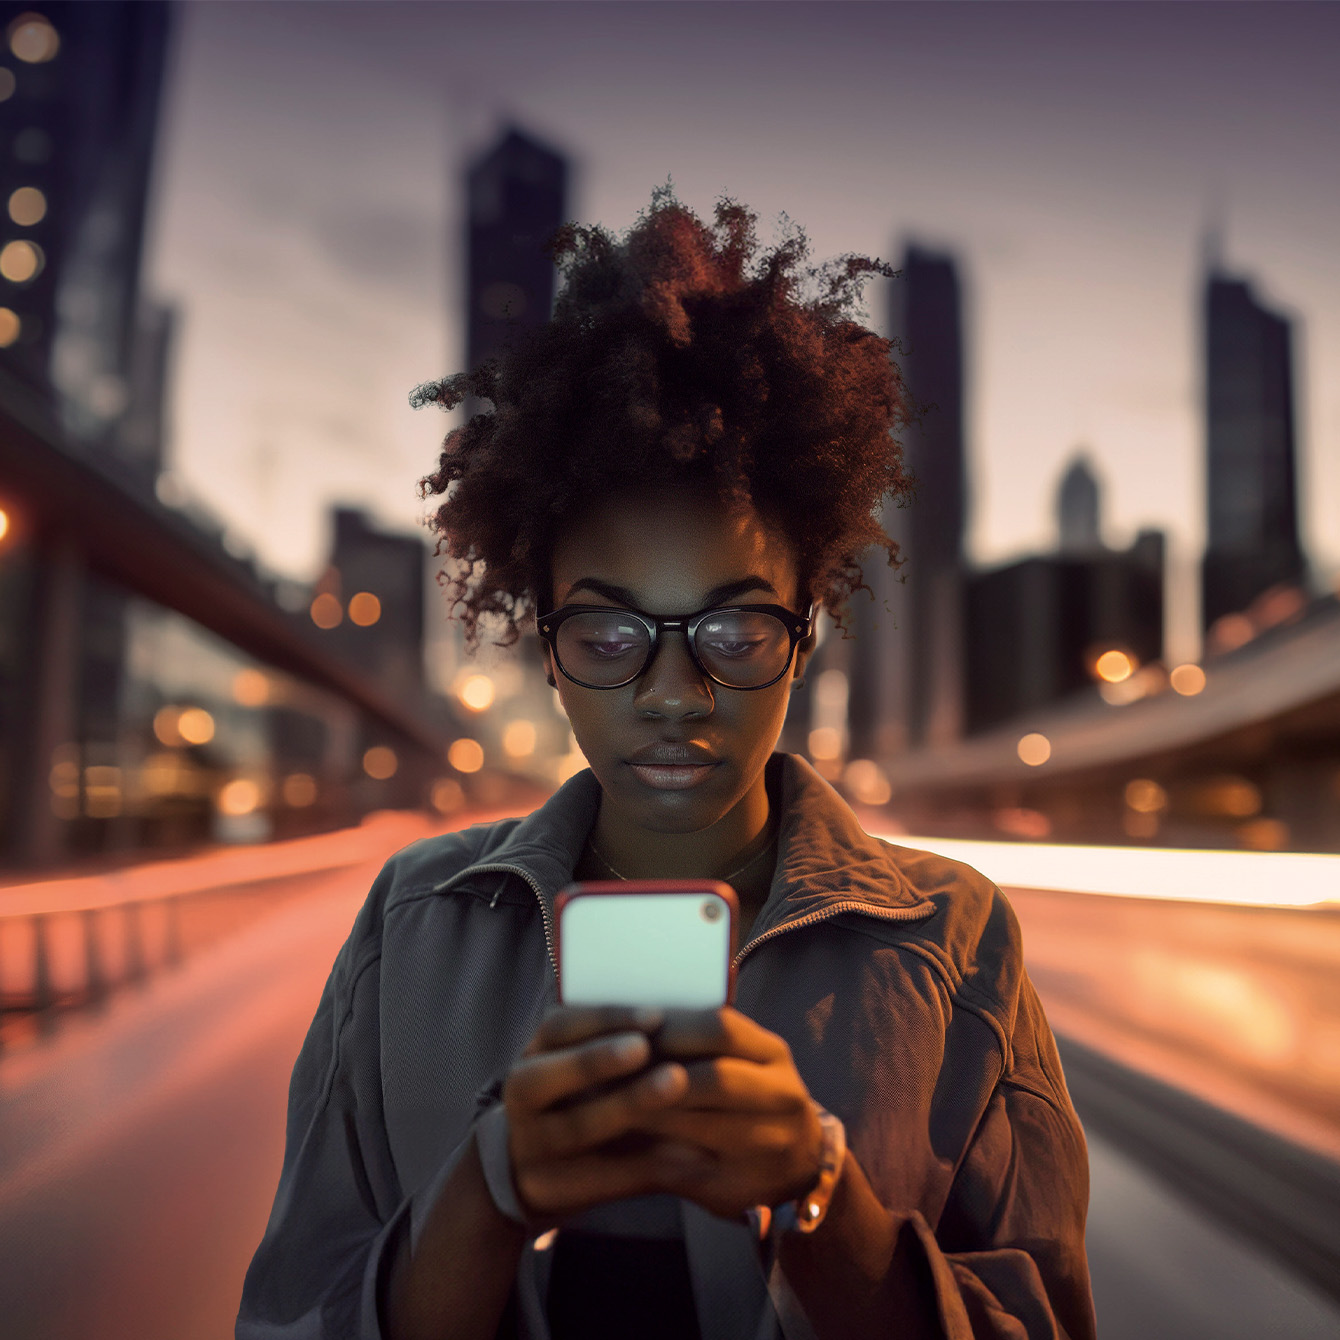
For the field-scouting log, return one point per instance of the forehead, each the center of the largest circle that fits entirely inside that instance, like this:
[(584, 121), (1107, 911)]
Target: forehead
[(671, 549)]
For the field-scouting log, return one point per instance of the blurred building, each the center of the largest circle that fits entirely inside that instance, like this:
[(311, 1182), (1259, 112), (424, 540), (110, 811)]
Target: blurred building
[(1039, 626), (1251, 474), (376, 581), (907, 663), (517, 195), (78, 120), (1079, 523)]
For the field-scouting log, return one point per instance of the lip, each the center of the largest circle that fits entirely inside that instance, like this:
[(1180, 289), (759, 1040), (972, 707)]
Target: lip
[(667, 765), (671, 776)]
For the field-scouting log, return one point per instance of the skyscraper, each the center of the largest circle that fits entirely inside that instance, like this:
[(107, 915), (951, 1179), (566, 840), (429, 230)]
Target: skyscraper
[(1251, 486), (1078, 511), (79, 93), (518, 197), (907, 680)]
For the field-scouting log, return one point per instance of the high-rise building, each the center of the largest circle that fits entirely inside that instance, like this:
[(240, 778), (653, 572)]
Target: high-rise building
[(1252, 539), (517, 198), (379, 580), (1079, 510), (79, 94), (907, 665)]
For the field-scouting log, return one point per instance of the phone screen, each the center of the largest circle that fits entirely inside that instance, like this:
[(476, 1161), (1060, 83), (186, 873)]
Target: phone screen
[(657, 943)]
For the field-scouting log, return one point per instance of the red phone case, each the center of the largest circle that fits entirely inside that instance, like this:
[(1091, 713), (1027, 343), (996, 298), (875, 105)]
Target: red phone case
[(695, 886)]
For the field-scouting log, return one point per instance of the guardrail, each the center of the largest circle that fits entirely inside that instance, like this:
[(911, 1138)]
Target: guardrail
[(67, 943)]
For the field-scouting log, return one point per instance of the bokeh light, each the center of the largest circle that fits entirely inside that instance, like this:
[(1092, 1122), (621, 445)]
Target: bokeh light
[(448, 796), (240, 796), (251, 688), (1188, 680), (195, 726), (21, 261), (379, 762), (1113, 666), (27, 206), (1146, 796), (32, 39), (518, 739), (326, 611), (477, 692), (11, 327), (1034, 749), (298, 790), (466, 755), (825, 743), (364, 609)]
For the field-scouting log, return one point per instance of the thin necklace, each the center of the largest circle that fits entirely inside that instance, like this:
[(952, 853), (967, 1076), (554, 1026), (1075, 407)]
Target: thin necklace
[(726, 879)]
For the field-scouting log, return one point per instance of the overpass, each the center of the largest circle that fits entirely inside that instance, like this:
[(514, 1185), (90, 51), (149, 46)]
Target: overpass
[(1252, 758)]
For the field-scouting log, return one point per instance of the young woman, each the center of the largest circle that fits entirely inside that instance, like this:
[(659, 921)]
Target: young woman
[(876, 1139)]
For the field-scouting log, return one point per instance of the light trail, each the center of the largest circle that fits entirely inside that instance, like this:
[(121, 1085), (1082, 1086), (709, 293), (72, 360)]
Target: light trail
[(1245, 878)]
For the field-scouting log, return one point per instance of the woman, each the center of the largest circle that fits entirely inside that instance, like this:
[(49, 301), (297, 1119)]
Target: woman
[(876, 1139)]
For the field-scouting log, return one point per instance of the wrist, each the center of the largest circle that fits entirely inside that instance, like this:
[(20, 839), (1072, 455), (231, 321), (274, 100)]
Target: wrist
[(805, 1213)]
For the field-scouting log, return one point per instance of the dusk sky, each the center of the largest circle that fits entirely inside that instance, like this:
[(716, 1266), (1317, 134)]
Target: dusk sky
[(1071, 156)]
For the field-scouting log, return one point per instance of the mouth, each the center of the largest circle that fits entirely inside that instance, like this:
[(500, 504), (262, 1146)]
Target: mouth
[(671, 776), (672, 767)]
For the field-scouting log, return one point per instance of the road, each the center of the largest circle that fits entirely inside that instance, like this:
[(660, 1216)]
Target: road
[(140, 1147)]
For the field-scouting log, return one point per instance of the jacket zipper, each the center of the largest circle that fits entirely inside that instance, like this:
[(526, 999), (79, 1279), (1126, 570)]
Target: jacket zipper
[(535, 888), (832, 910)]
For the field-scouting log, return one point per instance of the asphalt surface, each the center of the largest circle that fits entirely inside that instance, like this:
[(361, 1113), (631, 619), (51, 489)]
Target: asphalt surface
[(140, 1148)]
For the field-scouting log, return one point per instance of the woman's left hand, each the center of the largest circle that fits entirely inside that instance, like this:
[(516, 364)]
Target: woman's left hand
[(741, 1101)]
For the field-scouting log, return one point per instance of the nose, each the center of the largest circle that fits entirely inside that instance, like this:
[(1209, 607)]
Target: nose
[(672, 686)]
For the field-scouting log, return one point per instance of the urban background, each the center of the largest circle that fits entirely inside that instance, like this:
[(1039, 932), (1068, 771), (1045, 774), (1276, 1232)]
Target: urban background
[(234, 236)]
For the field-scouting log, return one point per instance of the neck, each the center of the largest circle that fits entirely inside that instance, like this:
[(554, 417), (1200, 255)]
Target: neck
[(712, 853)]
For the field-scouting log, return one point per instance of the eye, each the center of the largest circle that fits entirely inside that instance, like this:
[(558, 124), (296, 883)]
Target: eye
[(607, 648), (733, 649)]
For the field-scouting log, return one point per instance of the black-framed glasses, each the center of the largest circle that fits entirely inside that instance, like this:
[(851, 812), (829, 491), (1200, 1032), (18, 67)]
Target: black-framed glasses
[(737, 646)]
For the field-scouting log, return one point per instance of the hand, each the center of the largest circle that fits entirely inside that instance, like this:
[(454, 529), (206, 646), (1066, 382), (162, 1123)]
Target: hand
[(737, 1097), (578, 1102)]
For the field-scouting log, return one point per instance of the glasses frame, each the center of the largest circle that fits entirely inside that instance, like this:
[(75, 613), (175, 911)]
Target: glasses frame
[(798, 627)]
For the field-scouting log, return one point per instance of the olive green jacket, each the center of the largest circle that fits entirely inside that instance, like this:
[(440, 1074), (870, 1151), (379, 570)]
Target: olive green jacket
[(895, 976)]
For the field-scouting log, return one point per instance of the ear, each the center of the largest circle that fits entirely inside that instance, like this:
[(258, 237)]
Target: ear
[(547, 655), (804, 650)]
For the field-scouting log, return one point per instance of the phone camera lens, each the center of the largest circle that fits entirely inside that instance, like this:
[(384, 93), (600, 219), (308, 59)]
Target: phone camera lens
[(711, 910)]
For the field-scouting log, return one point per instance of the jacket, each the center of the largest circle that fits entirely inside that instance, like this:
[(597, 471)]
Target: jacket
[(895, 976)]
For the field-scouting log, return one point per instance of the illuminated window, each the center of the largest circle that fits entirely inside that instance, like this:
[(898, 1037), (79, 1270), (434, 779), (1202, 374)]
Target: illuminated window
[(32, 39), (364, 609), (27, 206), (21, 261), (10, 327)]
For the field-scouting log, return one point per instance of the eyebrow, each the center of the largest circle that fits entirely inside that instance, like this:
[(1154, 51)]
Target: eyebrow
[(623, 596)]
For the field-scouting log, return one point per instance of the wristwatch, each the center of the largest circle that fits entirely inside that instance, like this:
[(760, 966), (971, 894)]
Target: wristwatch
[(807, 1213)]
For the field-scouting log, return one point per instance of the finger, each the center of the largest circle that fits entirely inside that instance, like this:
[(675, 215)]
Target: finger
[(730, 1136), (568, 1186), (687, 1034), (566, 1025), (539, 1082), (726, 1083), (563, 1132)]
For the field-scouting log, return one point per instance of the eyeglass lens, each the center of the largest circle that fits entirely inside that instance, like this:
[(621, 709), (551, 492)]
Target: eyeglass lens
[(740, 648)]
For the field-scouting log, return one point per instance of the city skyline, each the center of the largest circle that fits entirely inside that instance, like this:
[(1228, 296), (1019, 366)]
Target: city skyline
[(315, 262)]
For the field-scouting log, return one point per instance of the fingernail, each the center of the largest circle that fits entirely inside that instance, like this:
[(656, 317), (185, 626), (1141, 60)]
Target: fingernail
[(666, 1079), (629, 1046), (646, 1018)]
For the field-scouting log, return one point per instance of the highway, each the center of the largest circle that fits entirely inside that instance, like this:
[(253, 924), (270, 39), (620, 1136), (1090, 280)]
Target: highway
[(140, 1145)]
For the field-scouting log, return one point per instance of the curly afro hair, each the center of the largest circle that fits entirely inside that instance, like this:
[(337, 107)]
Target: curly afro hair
[(679, 355)]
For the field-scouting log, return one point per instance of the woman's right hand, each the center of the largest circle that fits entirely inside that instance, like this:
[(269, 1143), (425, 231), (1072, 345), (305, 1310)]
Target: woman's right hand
[(580, 1087)]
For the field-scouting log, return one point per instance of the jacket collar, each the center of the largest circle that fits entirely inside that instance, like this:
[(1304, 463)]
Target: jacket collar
[(823, 852)]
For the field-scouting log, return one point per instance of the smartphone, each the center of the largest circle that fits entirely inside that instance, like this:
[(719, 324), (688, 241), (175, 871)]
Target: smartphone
[(660, 943)]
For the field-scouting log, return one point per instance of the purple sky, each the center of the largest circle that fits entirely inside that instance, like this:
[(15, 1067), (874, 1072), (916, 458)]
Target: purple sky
[(1070, 154)]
